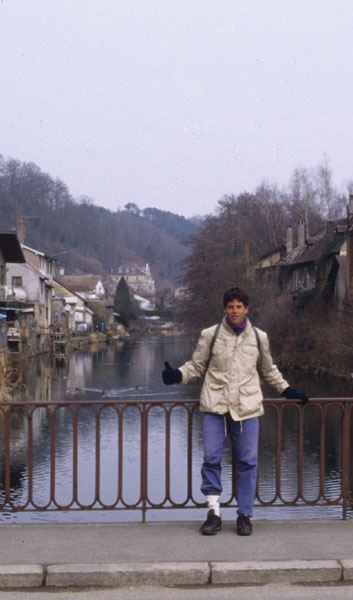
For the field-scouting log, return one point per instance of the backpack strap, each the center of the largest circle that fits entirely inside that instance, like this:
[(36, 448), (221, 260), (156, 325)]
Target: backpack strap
[(258, 345), (215, 335)]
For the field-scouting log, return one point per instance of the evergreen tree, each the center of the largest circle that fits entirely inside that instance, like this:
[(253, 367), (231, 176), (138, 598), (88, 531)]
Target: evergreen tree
[(124, 304)]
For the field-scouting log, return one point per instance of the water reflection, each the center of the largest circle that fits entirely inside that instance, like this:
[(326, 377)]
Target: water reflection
[(131, 371)]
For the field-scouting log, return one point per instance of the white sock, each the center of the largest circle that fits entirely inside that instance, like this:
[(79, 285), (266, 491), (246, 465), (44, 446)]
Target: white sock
[(213, 502)]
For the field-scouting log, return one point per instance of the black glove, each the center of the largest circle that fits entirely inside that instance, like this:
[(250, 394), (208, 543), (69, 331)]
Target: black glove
[(170, 375), (292, 394)]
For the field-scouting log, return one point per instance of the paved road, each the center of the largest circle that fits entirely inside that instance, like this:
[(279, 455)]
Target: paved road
[(266, 592)]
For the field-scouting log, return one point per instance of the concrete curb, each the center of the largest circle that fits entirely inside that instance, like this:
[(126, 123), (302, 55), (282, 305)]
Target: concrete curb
[(347, 569), (129, 574), (18, 576), (176, 573), (288, 571)]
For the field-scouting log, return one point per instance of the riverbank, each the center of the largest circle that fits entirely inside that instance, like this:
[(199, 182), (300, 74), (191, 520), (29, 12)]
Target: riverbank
[(156, 327)]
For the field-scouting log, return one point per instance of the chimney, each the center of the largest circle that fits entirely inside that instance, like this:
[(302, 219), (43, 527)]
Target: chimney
[(289, 240), (246, 251), (350, 207), (301, 233), (20, 230), (349, 264), (330, 228)]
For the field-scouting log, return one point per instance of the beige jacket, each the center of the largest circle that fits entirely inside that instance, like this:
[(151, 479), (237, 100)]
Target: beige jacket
[(232, 381)]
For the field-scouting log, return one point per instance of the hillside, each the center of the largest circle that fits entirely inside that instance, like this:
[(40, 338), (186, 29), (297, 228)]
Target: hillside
[(85, 237)]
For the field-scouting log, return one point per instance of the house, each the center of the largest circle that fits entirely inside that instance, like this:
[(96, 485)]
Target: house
[(89, 286), (323, 261), (28, 291), (10, 252), (139, 280), (27, 283), (70, 310)]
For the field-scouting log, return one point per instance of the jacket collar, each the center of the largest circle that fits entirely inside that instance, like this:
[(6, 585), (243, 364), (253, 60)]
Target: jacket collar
[(229, 327)]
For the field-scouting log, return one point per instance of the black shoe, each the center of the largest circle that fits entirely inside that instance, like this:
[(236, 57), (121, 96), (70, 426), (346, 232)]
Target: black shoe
[(212, 524), (244, 526)]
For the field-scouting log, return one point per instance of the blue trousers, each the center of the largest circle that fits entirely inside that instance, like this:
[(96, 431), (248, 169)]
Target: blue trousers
[(244, 439)]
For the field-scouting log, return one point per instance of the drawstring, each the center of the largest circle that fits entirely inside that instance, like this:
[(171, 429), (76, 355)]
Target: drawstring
[(241, 426)]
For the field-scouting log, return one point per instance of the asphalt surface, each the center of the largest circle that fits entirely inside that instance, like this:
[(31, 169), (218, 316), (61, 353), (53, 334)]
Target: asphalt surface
[(266, 592), (90, 543)]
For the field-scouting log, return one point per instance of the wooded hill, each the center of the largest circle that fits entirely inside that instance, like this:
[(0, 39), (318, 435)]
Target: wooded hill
[(84, 237)]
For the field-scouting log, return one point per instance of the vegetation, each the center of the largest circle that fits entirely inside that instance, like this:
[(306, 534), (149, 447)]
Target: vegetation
[(84, 237), (305, 333), (217, 252), (124, 304)]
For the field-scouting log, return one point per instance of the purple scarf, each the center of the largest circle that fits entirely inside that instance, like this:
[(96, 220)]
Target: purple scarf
[(237, 330)]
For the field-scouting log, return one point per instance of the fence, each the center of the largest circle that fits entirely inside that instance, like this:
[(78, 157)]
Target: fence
[(51, 451)]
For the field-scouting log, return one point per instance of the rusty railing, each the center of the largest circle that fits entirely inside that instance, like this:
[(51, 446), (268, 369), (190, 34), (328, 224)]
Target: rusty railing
[(95, 455)]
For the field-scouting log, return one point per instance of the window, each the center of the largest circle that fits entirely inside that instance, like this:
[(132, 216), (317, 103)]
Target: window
[(17, 282)]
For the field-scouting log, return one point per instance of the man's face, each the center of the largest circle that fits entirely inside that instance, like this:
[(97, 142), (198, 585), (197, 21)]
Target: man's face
[(236, 311)]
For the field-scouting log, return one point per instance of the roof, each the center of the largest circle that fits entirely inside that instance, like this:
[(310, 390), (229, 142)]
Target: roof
[(319, 245), (68, 288), (38, 252), (81, 283), (132, 269), (11, 248), (15, 308), (323, 242), (279, 248)]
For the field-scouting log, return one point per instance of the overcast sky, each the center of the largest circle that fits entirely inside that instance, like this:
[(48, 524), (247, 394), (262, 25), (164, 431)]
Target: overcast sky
[(174, 103)]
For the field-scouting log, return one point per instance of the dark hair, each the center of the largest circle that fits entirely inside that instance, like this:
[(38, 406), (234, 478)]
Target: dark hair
[(235, 294)]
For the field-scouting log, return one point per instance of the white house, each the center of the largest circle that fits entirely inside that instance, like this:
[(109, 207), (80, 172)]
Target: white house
[(89, 286), (139, 280), (70, 308)]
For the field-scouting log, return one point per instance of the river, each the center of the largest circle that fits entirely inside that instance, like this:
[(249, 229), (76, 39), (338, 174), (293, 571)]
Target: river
[(131, 371)]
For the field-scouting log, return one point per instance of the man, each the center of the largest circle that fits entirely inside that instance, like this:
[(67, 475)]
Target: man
[(230, 357)]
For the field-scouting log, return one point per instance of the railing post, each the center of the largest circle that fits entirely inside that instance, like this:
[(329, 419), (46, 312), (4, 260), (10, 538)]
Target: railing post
[(30, 456), (189, 457), (7, 422), (300, 450), (278, 450), (167, 455), (144, 461), (75, 454), (52, 415), (98, 449), (345, 459), (120, 456)]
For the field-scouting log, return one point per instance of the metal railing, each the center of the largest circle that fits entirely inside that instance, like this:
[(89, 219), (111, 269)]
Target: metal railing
[(47, 447)]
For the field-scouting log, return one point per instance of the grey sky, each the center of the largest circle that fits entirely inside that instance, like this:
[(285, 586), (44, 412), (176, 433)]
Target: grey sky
[(174, 103)]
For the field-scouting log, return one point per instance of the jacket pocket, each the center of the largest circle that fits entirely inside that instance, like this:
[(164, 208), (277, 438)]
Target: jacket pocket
[(216, 386), (213, 396), (250, 403)]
